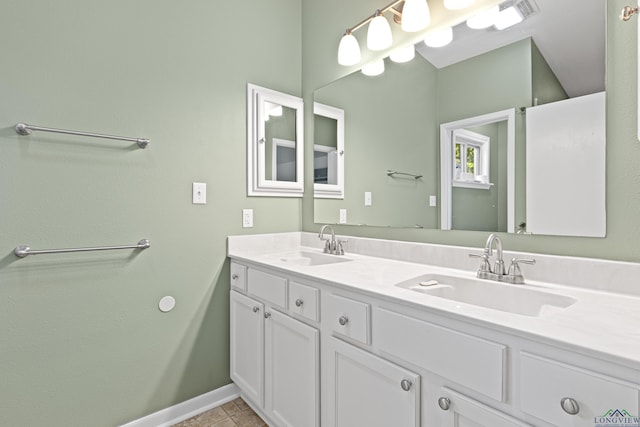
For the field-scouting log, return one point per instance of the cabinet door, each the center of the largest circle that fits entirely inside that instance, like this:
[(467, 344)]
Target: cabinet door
[(457, 410), (365, 390), (247, 346), (291, 371)]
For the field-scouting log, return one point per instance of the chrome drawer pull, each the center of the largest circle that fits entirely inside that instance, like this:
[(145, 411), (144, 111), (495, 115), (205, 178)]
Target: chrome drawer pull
[(569, 405), (299, 302), (267, 315), (343, 320), (444, 403), (406, 385), (234, 277), (256, 309)]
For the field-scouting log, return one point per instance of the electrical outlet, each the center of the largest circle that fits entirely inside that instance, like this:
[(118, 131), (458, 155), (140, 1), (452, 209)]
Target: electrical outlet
[(199, 193), (343, 216), (432, 201), (367, 198), (247, 218)]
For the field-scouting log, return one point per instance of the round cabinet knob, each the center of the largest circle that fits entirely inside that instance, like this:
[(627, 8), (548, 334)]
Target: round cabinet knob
[(406, 385), (444, 403), (267, 315), (256, 309), (299, 302), (234, 277), (343, 320), (569, 405)]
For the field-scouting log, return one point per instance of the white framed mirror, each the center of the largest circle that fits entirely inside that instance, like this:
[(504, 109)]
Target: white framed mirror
[(328, 152), (275, 143)]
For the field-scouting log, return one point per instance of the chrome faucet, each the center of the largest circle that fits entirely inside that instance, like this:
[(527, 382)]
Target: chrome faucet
[(498, 273), (498, 267), (331, 246)]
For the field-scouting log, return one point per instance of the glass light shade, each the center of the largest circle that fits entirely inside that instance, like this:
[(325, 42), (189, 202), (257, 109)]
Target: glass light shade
[(379, 34), (415, 15), (457, 4), (507, 17), (374, 68), (483, 19), (439, 38), (403, 54), (349, 50)]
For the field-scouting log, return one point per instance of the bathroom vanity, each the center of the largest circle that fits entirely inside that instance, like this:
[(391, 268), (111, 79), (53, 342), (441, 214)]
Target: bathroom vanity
[(403, 334)]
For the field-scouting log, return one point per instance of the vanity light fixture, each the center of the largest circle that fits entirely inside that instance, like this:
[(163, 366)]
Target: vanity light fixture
[(403, 54), (439, 38), (349, 50), (374, 68), (379, 33), (415, 15), (412, 15), (457, 4), (483, 19)]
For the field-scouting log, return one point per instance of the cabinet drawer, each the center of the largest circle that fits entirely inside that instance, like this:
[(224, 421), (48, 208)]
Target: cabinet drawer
[(304, 301), (473, 362), (238, 276), (544, 383), (349, 318), (267, 287)]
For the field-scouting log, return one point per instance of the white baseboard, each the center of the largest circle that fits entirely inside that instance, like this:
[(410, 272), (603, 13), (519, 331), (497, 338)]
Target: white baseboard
[(190, 408)]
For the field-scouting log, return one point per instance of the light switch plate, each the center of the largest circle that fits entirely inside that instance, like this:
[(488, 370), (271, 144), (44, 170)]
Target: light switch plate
[(367, 198), (432, 201), (199, 193), (343, 216), (247, 218)]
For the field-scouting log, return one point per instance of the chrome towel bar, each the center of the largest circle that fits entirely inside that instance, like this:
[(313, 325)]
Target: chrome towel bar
[(24, 251), (394, 173), (25, 129)]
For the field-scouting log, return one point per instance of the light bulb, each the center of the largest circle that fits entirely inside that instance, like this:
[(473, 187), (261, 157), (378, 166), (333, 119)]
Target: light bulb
[(415, 15), (379, 33), (349, 50), (439, 38), (374, 68), (457, 4), (403, 54), (483, 19)]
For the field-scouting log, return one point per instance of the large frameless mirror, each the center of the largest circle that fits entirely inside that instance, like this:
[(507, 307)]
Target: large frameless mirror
[(275, 145), (393, 119)]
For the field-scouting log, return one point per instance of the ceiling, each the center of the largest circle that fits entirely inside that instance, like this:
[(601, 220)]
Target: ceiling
[(570, 34)]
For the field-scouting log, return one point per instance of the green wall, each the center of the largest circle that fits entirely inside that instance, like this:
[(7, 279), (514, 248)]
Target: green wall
[(82, 341), (322, 29)]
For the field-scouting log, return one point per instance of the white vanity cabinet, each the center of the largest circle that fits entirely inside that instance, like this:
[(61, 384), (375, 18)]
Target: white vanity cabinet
[(366, 390), (274, 357), (457, 410), (390, 362)]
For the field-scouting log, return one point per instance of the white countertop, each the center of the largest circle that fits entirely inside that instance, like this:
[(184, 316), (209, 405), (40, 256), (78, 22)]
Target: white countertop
[(601, 323)]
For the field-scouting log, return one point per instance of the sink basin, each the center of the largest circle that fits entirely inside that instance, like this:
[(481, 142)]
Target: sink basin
[(497, 296), (306, 258)]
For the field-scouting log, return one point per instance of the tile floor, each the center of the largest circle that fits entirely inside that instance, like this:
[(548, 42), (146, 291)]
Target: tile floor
[(232, 414)]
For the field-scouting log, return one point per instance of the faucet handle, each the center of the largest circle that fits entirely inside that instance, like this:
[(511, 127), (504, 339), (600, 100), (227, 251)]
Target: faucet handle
[(340, 248), (514, 268), (485, 267), (327, 246)]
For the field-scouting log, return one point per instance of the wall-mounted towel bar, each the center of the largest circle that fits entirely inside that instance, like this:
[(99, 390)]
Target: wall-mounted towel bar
[(23, 251), (394, 173), (25, 129)]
